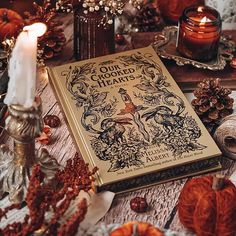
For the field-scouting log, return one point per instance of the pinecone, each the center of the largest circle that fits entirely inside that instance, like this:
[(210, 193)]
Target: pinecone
[(148, 18), (212, 102), (53, 41)]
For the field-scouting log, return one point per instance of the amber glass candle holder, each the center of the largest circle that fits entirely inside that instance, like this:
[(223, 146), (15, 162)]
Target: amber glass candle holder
[(91, 37), (199, 33)]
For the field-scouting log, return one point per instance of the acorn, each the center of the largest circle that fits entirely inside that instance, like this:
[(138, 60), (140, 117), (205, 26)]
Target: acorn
[(138, 204), (52, 121)]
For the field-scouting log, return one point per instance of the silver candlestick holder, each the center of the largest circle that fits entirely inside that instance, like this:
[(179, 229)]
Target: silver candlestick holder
[(23, 125)]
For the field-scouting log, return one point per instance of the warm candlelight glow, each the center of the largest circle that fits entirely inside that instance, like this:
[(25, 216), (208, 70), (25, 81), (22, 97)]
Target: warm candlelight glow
[(38, 29), (204, 20), (199, 33), (200, 9)]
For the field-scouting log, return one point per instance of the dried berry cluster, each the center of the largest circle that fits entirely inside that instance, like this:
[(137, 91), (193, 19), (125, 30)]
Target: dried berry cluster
[(212, 101), (53, 41), (54, 196)]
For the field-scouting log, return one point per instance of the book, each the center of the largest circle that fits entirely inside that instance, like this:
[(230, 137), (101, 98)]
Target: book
[(129, 118)]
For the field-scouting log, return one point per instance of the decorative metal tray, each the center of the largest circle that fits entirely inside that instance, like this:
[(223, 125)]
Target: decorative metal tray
[(165, 47)]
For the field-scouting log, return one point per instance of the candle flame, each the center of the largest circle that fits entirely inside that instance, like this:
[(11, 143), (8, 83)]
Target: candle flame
[(38, 29), (203, 20), (200, 9)]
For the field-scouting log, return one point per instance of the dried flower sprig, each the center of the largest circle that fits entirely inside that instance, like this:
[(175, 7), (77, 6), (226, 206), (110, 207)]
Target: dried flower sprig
[(108, 8), (71, 226), (54, 197)]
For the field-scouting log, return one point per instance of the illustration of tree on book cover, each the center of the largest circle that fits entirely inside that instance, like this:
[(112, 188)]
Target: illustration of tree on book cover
[(130, 112)]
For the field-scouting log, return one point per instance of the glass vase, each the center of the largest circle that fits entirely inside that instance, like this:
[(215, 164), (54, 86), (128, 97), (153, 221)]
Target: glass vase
[(91, 37)]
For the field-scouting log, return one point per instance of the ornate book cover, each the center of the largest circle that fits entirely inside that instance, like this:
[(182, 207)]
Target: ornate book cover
[(130, 119)]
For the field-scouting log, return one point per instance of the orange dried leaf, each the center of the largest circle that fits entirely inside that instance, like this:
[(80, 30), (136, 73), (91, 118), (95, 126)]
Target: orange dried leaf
[(44, 138)]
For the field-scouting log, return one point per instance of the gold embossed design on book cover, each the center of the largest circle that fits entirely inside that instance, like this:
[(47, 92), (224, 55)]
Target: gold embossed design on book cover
[(128, 116)]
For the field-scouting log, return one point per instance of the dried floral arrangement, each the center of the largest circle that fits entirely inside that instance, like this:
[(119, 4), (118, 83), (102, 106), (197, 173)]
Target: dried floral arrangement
[(55, 197), (107, 8)]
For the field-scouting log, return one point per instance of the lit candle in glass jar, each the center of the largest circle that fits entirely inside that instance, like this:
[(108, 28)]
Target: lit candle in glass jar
[(199, 33)]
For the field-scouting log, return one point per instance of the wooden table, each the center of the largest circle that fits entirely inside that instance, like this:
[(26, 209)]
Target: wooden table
[(162, 198)]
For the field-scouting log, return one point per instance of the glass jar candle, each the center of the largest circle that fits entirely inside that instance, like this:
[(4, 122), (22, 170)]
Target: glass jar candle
[(199, 33)]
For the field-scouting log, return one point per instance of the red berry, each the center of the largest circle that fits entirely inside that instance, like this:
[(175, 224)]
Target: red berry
[(138, 204), (119, 39), (233, 63), (52, 121)]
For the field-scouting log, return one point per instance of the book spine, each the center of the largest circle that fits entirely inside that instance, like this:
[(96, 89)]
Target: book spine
[(163, 176)]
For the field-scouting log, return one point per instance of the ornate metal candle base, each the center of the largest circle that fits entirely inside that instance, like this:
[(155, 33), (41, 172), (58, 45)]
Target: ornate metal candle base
[(23, 125), (165, 47)]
